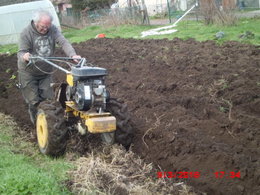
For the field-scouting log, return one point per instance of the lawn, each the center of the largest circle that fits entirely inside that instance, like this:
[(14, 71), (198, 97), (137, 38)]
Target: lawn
[(185, 29), (23, 170)]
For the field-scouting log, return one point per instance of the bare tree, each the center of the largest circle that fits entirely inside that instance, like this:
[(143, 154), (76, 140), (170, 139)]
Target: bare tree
[(143, 10), (214, 12)]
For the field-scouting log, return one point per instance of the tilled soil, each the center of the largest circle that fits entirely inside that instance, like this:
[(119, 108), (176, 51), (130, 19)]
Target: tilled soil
[(195, 106)]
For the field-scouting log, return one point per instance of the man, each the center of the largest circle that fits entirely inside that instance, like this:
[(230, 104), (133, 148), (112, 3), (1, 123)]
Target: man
[(39, 39)]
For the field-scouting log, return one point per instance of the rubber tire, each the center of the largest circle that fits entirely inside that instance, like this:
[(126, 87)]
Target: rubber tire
[(124, 130), (57, 132)]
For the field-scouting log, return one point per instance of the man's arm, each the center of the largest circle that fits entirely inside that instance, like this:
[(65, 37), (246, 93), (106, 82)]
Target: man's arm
[(24, 47)]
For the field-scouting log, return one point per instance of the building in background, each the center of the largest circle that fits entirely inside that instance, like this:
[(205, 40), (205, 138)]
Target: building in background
[(61, 5), (157, 6)]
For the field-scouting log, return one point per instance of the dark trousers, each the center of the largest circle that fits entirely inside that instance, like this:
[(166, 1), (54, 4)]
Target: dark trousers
[(34, 90)]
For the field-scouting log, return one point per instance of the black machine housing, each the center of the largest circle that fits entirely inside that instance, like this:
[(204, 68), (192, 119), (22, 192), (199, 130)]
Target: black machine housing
[(88, 90)]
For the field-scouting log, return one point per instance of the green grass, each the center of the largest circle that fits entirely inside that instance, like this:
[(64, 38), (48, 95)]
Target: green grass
[(21, 173), (197, 30), (123, 31), (186, 29), (8, 49)]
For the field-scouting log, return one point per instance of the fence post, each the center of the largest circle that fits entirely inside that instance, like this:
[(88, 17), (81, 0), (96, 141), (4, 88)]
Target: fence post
[(145, 13), (169, 11)]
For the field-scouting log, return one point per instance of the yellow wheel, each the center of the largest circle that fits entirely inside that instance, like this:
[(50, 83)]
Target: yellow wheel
[(51, 128), (42, 129)]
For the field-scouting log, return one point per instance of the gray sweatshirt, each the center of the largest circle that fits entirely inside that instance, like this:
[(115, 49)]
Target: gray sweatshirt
[(40, 45)]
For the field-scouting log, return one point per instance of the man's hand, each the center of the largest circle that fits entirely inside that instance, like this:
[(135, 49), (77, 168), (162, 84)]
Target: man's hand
[(26, 57), (76, 58)]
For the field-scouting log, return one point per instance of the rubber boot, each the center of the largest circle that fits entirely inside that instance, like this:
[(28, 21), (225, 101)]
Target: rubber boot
[(32, 112)]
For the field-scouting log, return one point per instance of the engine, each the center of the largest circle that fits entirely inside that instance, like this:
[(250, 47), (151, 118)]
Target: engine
[(88, 90)]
